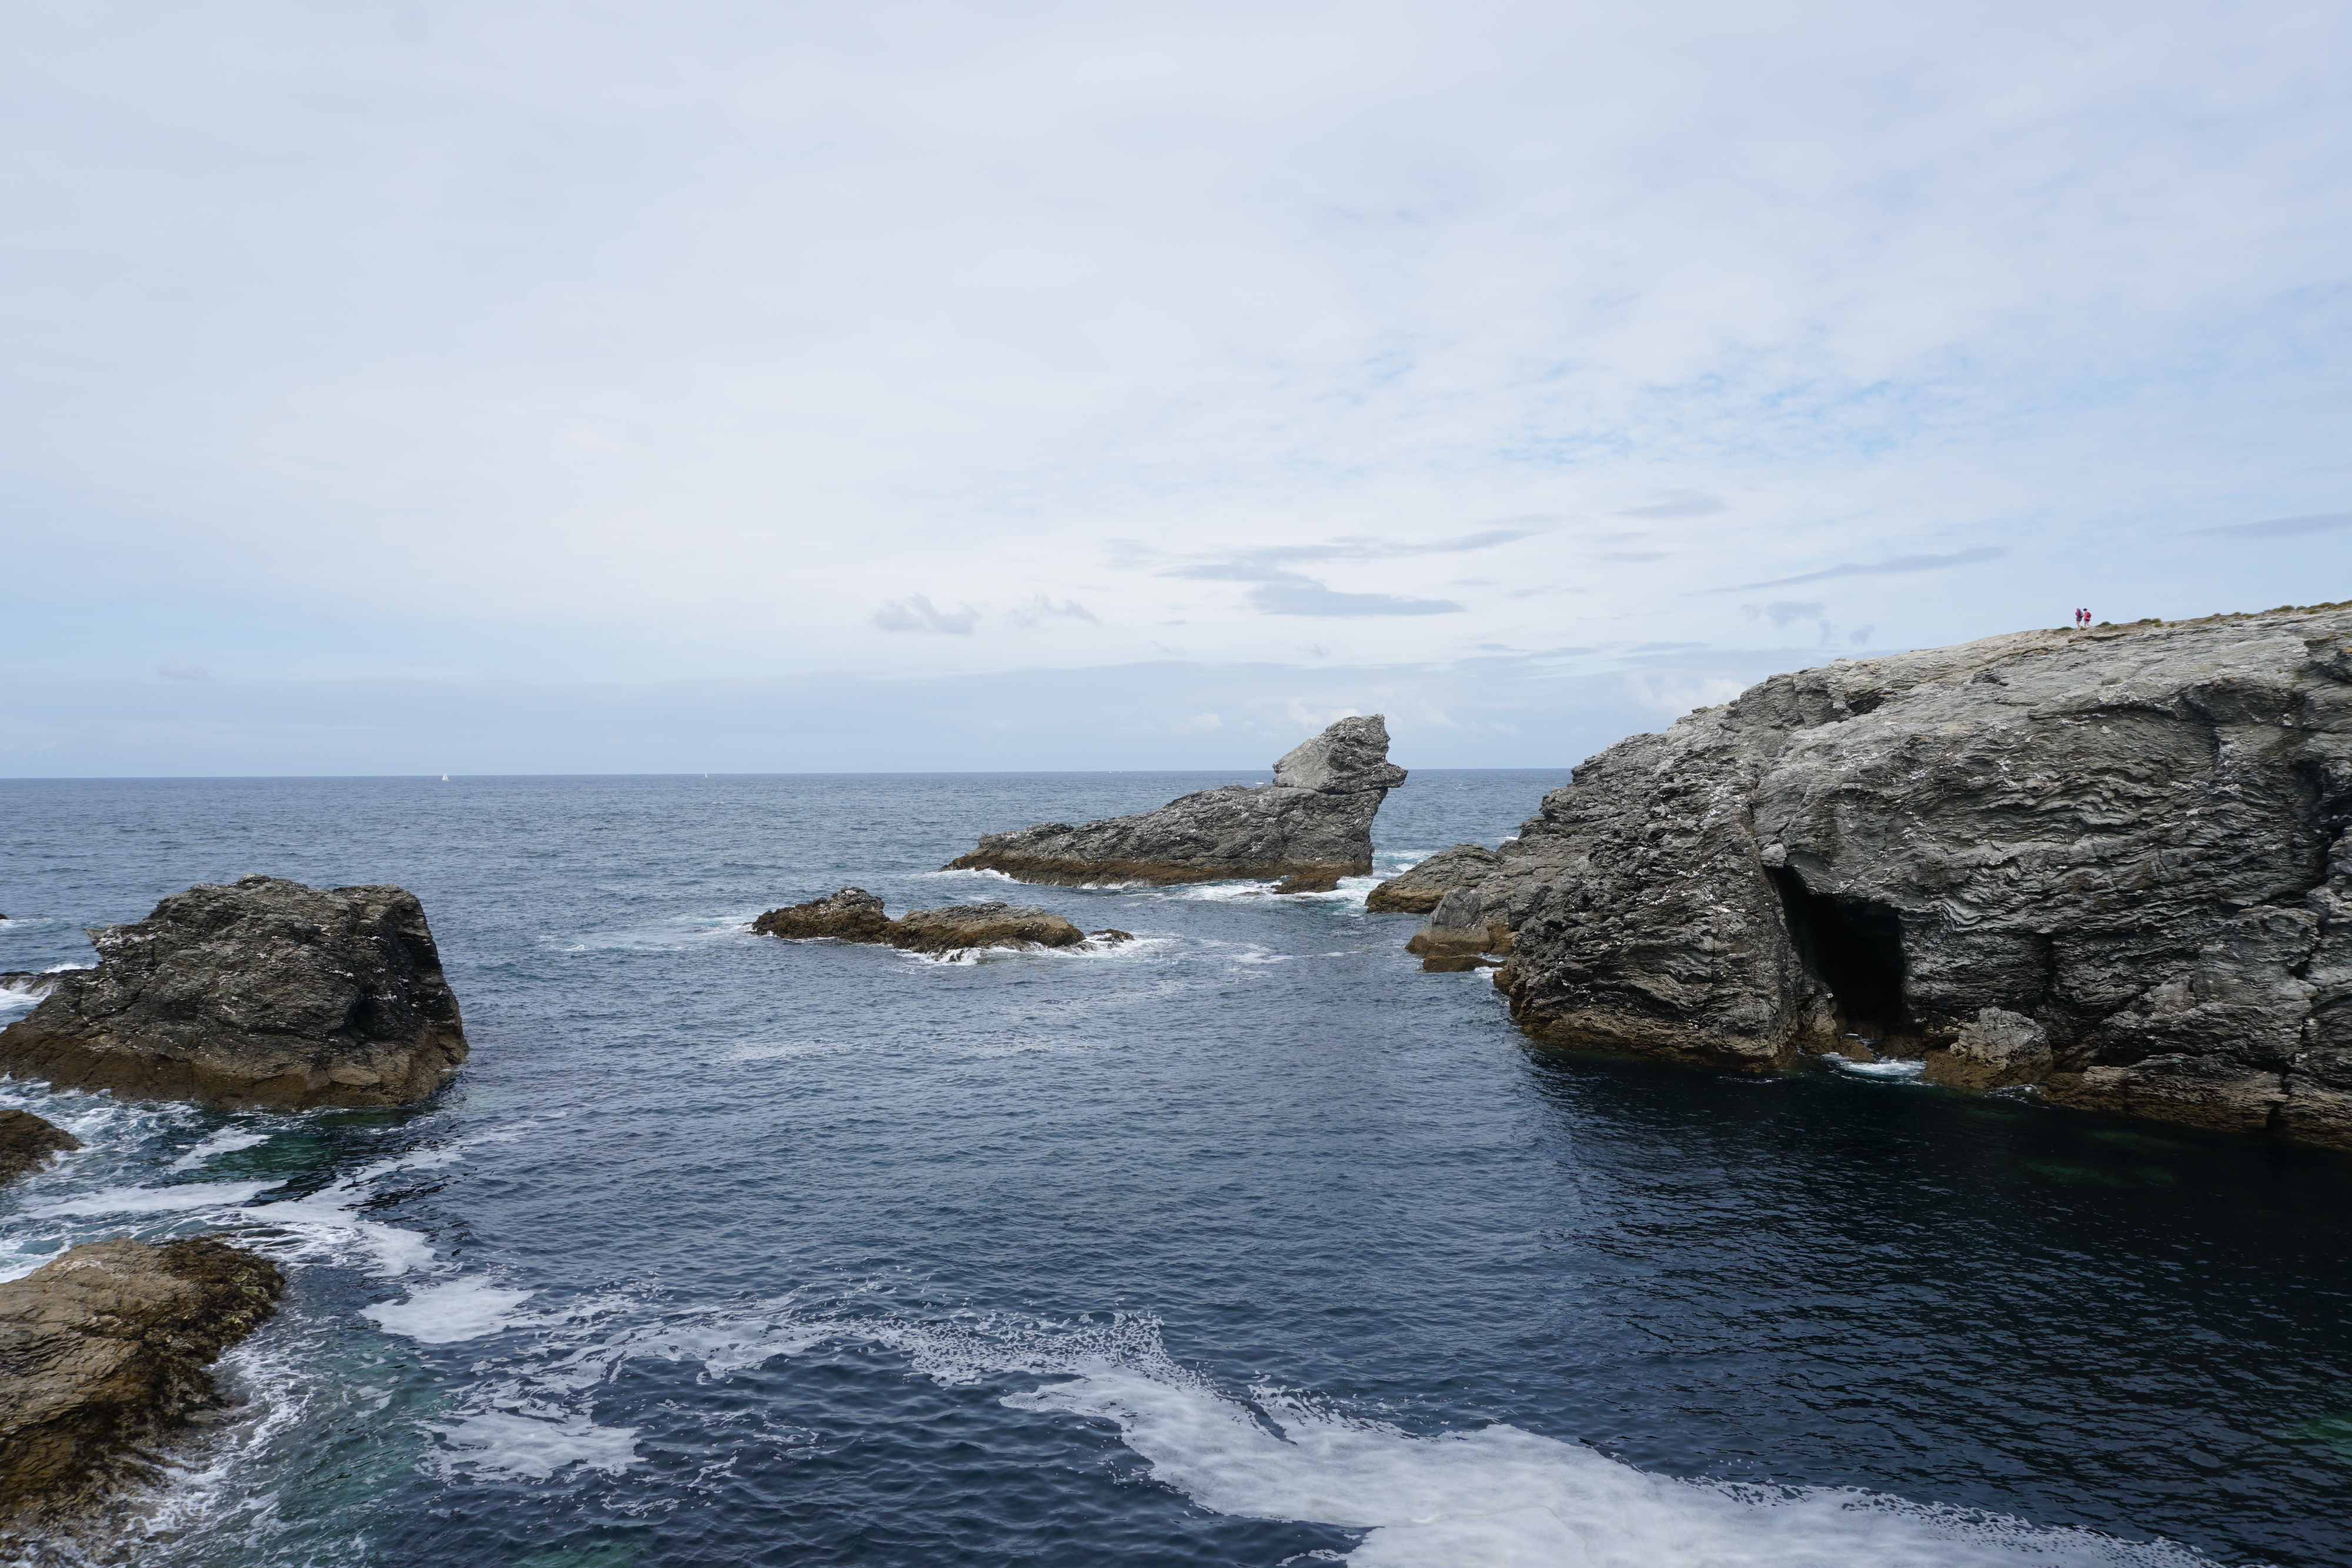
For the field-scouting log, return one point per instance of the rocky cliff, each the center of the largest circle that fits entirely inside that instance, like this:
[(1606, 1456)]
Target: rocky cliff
[(2113, 864), (103, 1354), (266, 993), (1310, 827)]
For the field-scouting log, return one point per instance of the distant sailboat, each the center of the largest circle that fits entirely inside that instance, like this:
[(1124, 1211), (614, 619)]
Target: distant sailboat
[(445, 779)]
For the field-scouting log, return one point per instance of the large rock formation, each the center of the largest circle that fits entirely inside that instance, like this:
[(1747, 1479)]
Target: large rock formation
[(266, 993), (1311, 826), (854, 914), (103, 1354), (27, 1142), (2114, 863)]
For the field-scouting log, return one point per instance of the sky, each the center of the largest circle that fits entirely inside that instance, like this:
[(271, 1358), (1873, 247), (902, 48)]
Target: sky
[(525, 386)]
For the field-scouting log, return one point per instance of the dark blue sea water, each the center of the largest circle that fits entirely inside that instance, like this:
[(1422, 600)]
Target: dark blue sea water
[(1248, 1244)]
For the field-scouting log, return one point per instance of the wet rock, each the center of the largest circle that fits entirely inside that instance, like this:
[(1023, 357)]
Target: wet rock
[(27, 1142), (103, 1354), (1418, 890), (1310, 827), (852, 915), (1992, 1051), (961, 927), (2112, 862), (1459, 934), (266, 993)]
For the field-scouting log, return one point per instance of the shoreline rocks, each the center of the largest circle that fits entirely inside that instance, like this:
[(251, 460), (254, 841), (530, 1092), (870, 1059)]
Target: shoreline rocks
[(103, 1357), (1307, 829), (1419, 890), (854, 914), (267, 993), (2114, 865), (27, 1142)]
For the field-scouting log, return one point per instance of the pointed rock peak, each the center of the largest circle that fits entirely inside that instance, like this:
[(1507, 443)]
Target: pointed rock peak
[(1351, 754)]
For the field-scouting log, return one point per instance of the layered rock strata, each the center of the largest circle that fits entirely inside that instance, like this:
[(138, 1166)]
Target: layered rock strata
[(1417, 890), (2113, 864), (854, 914), (27, 1142), (266, 993), (1310, 827), (103, 1354)]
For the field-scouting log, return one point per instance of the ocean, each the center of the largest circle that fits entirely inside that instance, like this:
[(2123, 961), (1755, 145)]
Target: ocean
[(1245, 1243)]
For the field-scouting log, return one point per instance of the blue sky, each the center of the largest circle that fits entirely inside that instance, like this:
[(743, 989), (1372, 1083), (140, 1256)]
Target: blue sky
[(556, 387)]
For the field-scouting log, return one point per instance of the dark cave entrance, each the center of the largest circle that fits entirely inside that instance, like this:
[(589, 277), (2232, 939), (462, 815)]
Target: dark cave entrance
[(1853, 947)]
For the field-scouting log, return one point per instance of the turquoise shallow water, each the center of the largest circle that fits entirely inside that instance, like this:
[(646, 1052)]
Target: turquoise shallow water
[(1249, 1244)]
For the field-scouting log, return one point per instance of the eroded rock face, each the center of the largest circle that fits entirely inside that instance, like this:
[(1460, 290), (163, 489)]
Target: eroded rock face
[(2114, 863), (854, 914), (1310, 827), (27, 1142), (103, 1354), (266, 993), (1418, 891)]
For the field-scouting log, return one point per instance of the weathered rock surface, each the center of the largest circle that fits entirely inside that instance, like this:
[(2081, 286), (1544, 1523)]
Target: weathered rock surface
[(266, 993), (854, 914), (1310, 827), (103, 1354), (27, 1142), (1418, 890), (2111, 862)]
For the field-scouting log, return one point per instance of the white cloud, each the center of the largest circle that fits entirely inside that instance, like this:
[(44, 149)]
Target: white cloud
[(916, 613)]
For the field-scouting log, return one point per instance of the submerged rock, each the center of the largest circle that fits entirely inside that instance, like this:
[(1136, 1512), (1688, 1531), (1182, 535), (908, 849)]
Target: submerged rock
[(2114, 863), (854, 914), (103, 1357), (266, 993), (27, 1142), (1310, 827), (1418, 890)]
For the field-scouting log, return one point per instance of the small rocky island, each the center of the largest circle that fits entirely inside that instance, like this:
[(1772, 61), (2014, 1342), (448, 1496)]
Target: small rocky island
[(854, 914), (2113, 864), (266, 993), (103, 1358), (1310, 827)]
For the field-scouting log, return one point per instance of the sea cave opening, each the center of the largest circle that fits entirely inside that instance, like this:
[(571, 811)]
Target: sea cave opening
[(1852, 946)]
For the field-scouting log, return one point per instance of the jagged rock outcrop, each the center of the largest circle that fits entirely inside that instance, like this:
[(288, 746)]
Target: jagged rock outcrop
[(103, 1354), (27, 1142), (1418, 890), (1310, 827), (2113, 864), (266, 993), (854, 914)]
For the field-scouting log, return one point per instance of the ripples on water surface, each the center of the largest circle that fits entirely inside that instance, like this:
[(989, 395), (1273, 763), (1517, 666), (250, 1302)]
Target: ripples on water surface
[(1250, 1244)]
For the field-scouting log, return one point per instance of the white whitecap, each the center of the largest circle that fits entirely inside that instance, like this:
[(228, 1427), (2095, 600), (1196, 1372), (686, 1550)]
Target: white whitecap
[(1891, 1070), (228, 1140), (159, 1200), (446, 1313), (534, 1444)]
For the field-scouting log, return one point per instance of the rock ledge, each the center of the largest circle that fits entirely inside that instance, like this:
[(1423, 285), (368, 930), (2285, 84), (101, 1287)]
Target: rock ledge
[(103, 1354)]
